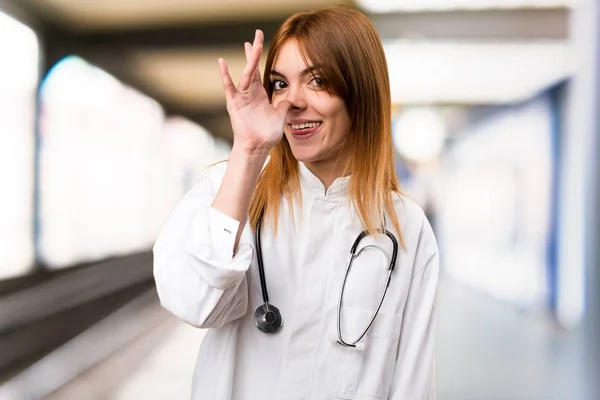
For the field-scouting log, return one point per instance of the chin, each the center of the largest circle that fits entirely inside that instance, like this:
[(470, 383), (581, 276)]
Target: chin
[(304, 155)]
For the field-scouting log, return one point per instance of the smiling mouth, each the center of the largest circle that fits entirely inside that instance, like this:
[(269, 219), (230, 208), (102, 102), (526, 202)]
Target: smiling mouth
[(305, 130), (306, 126)]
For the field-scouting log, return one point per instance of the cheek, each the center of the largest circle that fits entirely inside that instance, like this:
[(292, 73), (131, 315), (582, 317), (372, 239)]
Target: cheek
[(342, 123), (335, 110)]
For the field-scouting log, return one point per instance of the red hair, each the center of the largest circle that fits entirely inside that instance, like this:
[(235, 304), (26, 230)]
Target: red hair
[(347, 48)]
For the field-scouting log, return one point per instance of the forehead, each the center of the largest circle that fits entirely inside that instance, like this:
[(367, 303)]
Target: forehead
[(290, 60)]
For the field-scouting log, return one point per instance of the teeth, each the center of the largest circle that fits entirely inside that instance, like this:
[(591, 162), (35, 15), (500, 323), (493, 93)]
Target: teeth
[(306, 125)]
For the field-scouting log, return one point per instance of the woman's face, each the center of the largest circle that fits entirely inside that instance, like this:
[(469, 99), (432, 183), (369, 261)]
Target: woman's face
[(317, 124)]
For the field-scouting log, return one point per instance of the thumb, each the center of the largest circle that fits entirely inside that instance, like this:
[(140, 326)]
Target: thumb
[(283, 106)]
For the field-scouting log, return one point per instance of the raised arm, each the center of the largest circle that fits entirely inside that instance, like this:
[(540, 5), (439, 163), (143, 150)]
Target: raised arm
[(257, 127), (199, 263)]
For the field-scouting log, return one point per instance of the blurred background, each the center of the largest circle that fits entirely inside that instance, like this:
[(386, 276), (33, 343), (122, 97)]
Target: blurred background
[(110, 110)]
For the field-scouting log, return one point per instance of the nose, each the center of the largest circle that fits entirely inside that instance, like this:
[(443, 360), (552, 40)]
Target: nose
[(295, 95)]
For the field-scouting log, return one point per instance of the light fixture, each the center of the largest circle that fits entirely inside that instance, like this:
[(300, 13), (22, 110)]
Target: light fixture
[(419, 134), (387, 6), (450, 72)]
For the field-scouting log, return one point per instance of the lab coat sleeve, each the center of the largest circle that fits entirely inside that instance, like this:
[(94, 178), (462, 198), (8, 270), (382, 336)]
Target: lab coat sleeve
[(198, 278), (414, 373)]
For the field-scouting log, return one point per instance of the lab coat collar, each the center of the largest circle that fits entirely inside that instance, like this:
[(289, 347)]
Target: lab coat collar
[(338, 191)]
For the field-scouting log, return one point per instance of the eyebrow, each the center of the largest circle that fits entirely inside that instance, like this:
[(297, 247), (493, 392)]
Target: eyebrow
[(307, 71)]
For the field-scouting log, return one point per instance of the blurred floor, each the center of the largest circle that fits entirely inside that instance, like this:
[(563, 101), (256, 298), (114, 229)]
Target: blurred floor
[(157, 365), (168, 371), (486, 351)]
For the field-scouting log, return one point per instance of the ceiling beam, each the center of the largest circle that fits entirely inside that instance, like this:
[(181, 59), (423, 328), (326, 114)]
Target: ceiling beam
[(213, 35), (524, 24), (519, 24)]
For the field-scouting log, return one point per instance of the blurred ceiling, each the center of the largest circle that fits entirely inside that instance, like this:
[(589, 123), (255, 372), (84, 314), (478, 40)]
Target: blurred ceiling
[(101, 15), (439, 52)]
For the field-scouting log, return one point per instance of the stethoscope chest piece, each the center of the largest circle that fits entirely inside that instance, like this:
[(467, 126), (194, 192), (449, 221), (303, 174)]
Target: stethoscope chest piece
[(268, 318)]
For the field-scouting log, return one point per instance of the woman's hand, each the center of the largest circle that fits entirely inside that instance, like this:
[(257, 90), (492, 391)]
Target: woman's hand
[(257, 125)]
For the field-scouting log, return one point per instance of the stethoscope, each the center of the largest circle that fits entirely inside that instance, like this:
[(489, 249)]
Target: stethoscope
[(268, 318)]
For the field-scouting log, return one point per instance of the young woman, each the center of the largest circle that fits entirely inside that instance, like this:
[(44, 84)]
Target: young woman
[(310, 180)]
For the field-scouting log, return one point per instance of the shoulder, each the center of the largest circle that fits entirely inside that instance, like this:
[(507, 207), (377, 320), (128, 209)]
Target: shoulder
[(214, 174), (416, 229), (210, 179), (410, 215), (215, 171)]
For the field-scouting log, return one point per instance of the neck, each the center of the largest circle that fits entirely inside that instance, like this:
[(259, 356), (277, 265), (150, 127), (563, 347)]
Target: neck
[(326, 171)]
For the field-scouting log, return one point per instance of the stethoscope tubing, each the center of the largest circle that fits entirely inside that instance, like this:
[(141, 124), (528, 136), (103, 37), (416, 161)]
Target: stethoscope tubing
[(353, 255), (268, 317), (261, 269)]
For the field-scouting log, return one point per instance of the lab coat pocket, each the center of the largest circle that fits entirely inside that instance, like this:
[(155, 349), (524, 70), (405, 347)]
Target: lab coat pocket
[(365, 374)]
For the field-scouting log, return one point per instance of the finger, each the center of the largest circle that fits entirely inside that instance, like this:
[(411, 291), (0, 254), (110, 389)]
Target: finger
[(228, 85), (284, 106), (252, 65), (259, 37), (257, 48), (248, 49)]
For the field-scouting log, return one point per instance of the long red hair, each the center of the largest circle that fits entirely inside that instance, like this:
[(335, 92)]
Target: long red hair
[(344, 43)]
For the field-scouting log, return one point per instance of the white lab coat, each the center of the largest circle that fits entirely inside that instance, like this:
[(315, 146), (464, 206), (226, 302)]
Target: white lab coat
[(200, 282)]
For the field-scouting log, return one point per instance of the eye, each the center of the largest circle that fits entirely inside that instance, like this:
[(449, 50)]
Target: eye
[(317, 82), (278, 85)]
